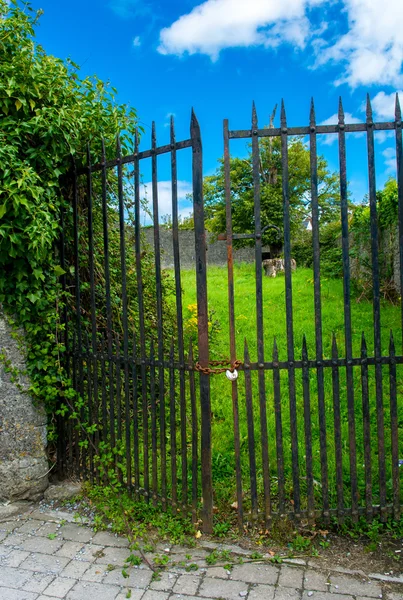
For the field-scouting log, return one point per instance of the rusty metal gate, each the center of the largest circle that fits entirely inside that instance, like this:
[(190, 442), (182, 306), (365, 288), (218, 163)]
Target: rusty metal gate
[(144, 393)]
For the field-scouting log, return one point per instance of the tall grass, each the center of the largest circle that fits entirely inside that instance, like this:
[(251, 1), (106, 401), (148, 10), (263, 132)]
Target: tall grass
[(275, 327)]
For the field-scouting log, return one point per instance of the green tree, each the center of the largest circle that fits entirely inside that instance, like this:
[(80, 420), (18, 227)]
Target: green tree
[(270, 174)]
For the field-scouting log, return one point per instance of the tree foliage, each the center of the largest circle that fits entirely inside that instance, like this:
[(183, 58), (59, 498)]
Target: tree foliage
[(270, 176)]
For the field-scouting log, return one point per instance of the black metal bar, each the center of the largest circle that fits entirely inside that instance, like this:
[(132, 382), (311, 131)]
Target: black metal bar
[(140, 302), (318, 310), (118, 393), (80, 455), (195, 433), (259, 316), (394, 430), (325, 129), (136, 443), (62, 425), (154, 476), (102, 359), (125, 323), (231, 317), (376, 307), (399, 172), (347, 309), (366, 418), (202, 314), (279, 430), (172, 399), (251, 433), (289, 310), (308, 428), (109, 326), (132, 158), (337, 430), (179, 314)]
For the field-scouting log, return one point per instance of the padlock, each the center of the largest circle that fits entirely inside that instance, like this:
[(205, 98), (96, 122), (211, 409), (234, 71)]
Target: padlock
[(232, 375)]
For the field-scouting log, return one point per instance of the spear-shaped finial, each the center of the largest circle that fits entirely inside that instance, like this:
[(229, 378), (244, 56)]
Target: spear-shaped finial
[(246, 353), (363, 346), (391, 344), (312, 117), (369, 110), (341, 112), (283, 117), (136, 140), (172, 129), (118, 145), (335, 353), (153, 135), (275, 350), (254, 116), (304, 348), (88, 155), (398, 112)]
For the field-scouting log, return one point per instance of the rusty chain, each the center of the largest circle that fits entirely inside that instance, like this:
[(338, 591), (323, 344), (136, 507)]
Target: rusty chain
[(218, 366)]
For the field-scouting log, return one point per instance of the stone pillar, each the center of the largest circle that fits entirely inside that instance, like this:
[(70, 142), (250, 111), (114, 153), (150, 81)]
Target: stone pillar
[(23, 462)]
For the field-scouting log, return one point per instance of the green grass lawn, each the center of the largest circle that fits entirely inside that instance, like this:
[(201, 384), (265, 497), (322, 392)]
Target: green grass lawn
[(275, 326)]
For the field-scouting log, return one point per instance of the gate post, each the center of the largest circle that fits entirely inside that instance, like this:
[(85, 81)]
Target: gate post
[(202, 322)]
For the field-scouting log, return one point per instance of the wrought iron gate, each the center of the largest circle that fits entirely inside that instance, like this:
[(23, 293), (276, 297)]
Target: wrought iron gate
[(152, 407)]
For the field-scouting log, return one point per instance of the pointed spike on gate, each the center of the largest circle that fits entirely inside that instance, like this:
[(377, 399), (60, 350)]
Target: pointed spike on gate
[(369, 110), (103, 149), (134, 347), (304, 348), (172, 351), (283, 117), (392, 349), (363, 346), (194, 125), (118, 145), (88, 155), (312, 116), (275, 350), (172, 129), (246, 353), (136, 140), (398, 111), (153, 135), (335, 352), (190, 356), (254, 116), (341, 112)]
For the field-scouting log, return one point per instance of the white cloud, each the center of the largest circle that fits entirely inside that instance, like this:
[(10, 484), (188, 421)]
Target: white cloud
[(383, 105), (389, 155), (331, 138), (137, 41), (218, 24), (371, 49), (165, 199)]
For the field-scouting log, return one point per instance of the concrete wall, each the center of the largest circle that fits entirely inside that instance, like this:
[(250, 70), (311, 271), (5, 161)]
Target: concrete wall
[(23, 462), (216, 249)]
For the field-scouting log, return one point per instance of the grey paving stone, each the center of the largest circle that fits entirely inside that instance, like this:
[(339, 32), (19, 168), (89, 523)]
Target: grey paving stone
[(13, 578), (347, 585), (155, 595), (47, 598), (256, 573), (15, 539), (48, 528), (291, 577), (394, 596), (138, 578), (4, 551), (287, 593), (75, 533), (134, 594), (30, 526), (75, 569), (165, 583), (105, 538), (38, 582), (187, 584), (41, 544), (90, 552), (59, 587), (3, 535), (12, 594), (262, 592), (324, 596), (180, 597), (219, 572), (69, 549), (220, 588), (9, 526), (94, 573), (15, 558), (315, 581), (89, 590), (113, 556), (43, 563)]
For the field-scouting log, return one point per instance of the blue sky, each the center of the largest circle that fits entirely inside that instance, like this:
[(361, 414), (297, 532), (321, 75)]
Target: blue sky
[(166, 56)]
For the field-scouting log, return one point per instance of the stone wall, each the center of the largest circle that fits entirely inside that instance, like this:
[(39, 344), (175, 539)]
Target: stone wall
[(216, 249), (23, 462)]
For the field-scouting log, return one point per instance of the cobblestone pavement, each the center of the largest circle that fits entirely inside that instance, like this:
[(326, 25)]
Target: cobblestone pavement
[(43, 556)]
